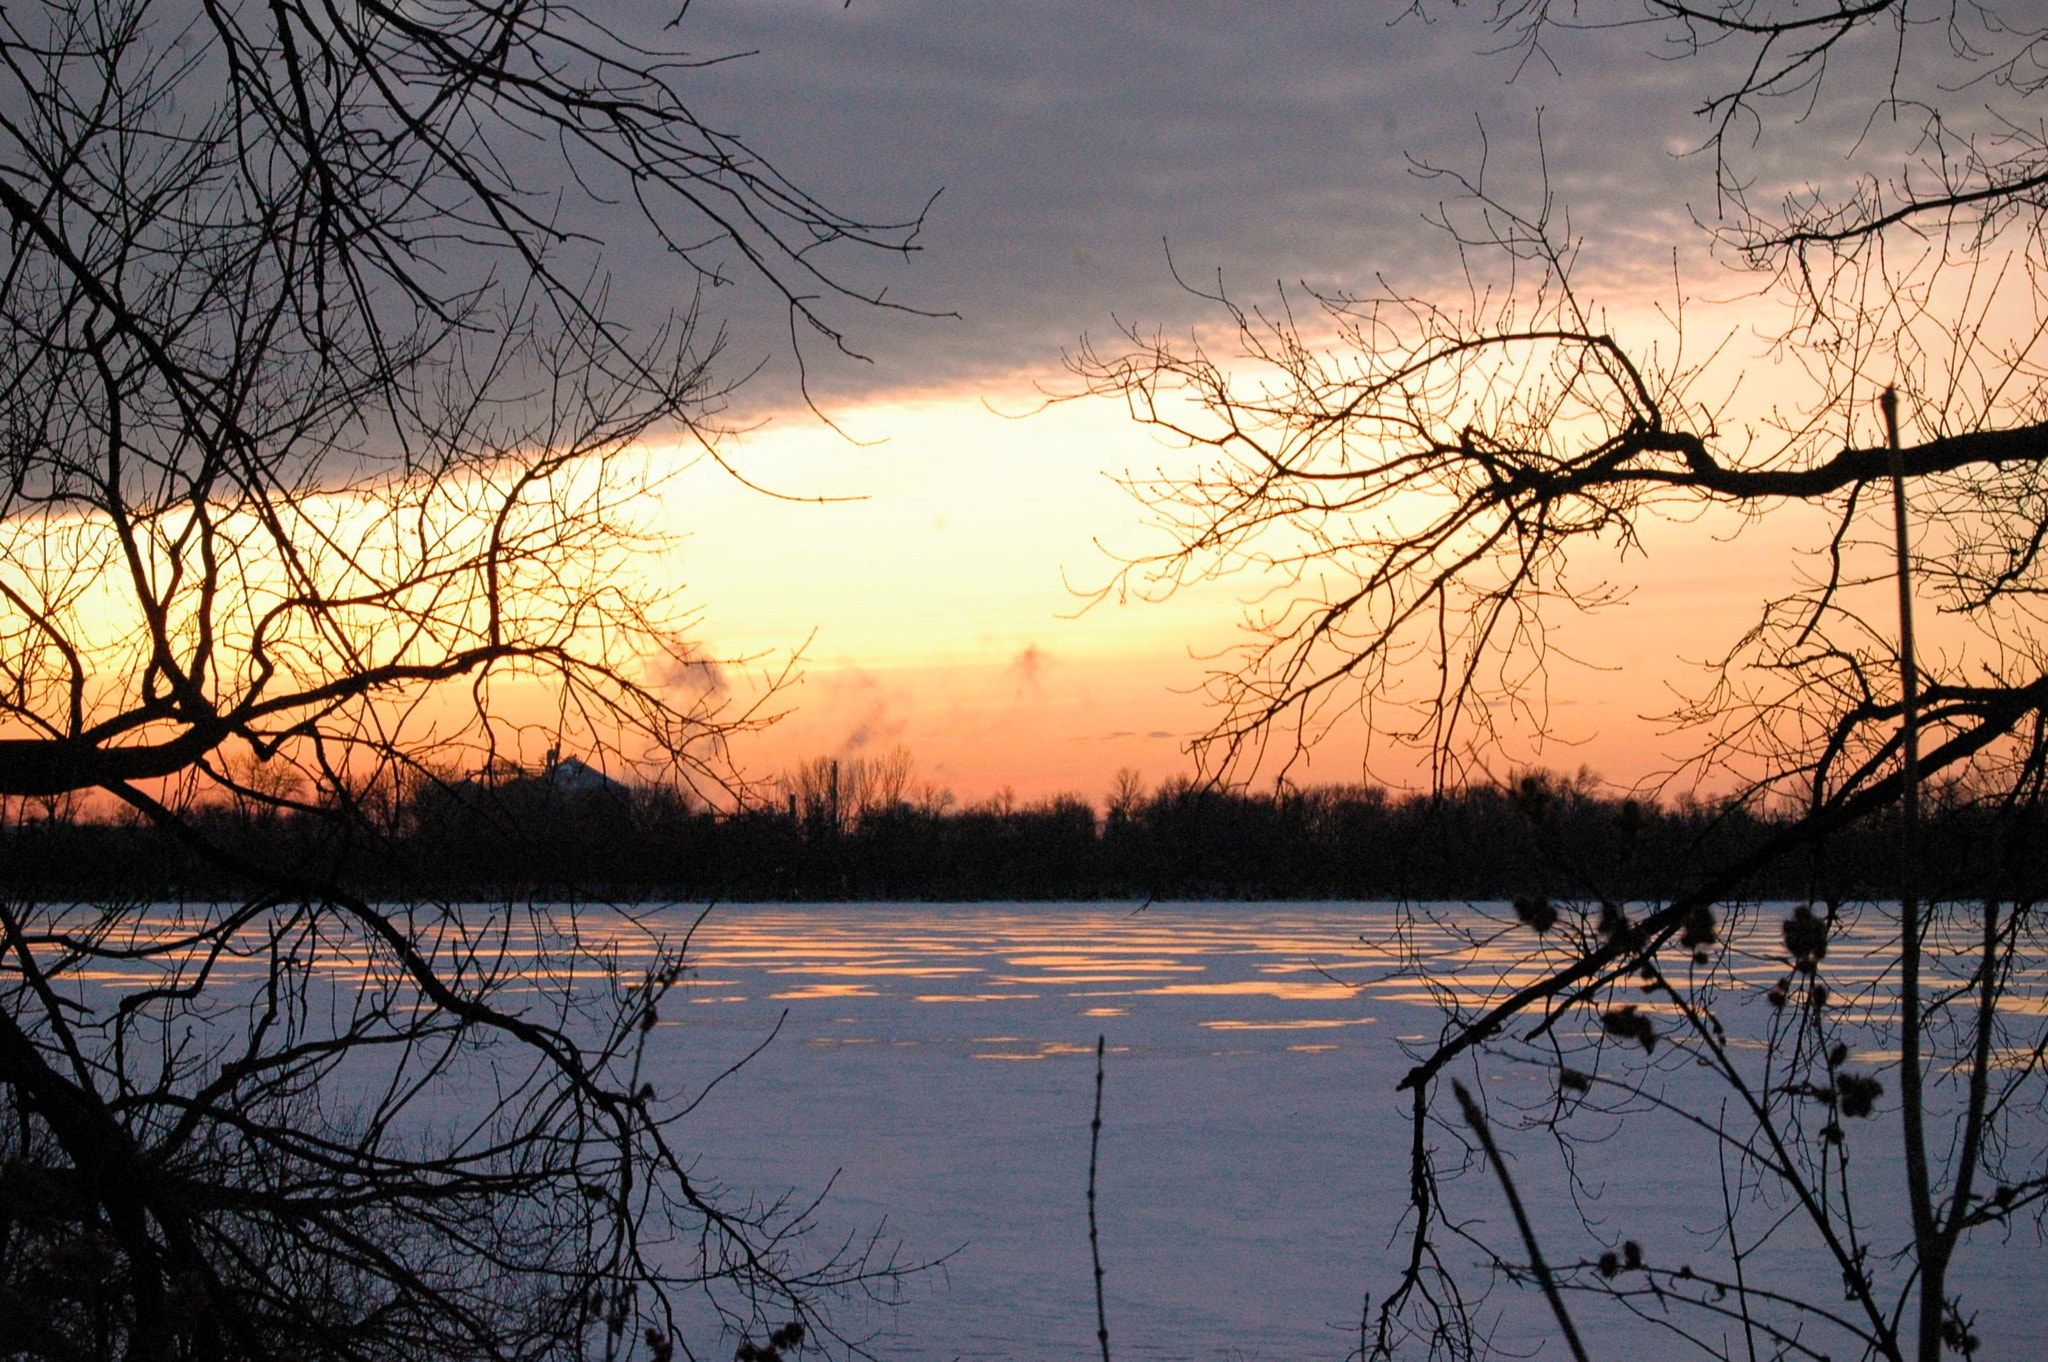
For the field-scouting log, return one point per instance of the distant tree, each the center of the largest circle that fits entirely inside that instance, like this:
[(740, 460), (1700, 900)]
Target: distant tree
[(888, 777), (1126, 793), (1435, 480), (836, 793), (317, 418)]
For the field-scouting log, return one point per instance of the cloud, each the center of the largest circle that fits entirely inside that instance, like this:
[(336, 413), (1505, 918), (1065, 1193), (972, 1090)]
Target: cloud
[(877, 725), (1071, 139), (878, 720), (1028, 670), (689, 670)]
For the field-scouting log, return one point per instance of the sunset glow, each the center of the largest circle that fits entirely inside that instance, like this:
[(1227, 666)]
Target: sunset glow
[(950, 609)]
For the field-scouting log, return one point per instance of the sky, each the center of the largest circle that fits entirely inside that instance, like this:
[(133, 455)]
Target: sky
[(943, 601)]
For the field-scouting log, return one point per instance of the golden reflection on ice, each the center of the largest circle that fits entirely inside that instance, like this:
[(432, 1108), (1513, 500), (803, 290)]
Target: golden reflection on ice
[(1293, 1024), (1273, 967), (1041, 979), (1099, 960), (1259, 988), (878, 971), (1050, 1050)]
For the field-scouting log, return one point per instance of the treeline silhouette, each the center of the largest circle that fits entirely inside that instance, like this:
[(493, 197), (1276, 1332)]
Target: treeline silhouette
[(538, 837)]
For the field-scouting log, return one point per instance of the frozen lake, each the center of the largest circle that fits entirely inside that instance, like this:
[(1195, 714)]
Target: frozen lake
[(936, 1066), (940, 1062)]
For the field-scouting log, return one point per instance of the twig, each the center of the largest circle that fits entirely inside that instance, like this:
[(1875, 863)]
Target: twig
[(1094, 1241), (1476, 1118)]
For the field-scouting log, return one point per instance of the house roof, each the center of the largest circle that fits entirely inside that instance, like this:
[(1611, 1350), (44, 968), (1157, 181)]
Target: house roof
[(575, 776)]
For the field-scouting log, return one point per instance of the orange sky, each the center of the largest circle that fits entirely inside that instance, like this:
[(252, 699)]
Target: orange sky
[(1282, 143), (940, 615)]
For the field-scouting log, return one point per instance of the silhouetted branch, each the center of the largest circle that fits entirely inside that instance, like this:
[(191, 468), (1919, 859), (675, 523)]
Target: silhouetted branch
[(1476, 1118), (1094, 1241)]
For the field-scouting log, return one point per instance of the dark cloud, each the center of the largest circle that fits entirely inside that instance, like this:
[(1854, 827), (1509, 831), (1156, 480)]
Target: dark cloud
[(1071, 138), (1028, 669), (689, 670), (876, 725), (879, 711)]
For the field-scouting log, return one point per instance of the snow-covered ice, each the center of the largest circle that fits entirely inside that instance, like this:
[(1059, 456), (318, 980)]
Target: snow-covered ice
[(936, 1066)]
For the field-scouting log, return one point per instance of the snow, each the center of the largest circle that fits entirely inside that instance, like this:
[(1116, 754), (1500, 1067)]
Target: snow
[(934, 1072), (937, 1069)]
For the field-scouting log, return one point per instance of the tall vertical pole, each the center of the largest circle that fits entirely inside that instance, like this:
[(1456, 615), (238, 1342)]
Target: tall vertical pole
[(1909, 670), (1933, 1277)]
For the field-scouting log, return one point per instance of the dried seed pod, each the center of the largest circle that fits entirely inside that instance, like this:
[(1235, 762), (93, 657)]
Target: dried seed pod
[(1628, 1024), (1538, 912), (1700, 929), (1806, 938), (1858, 1093)]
